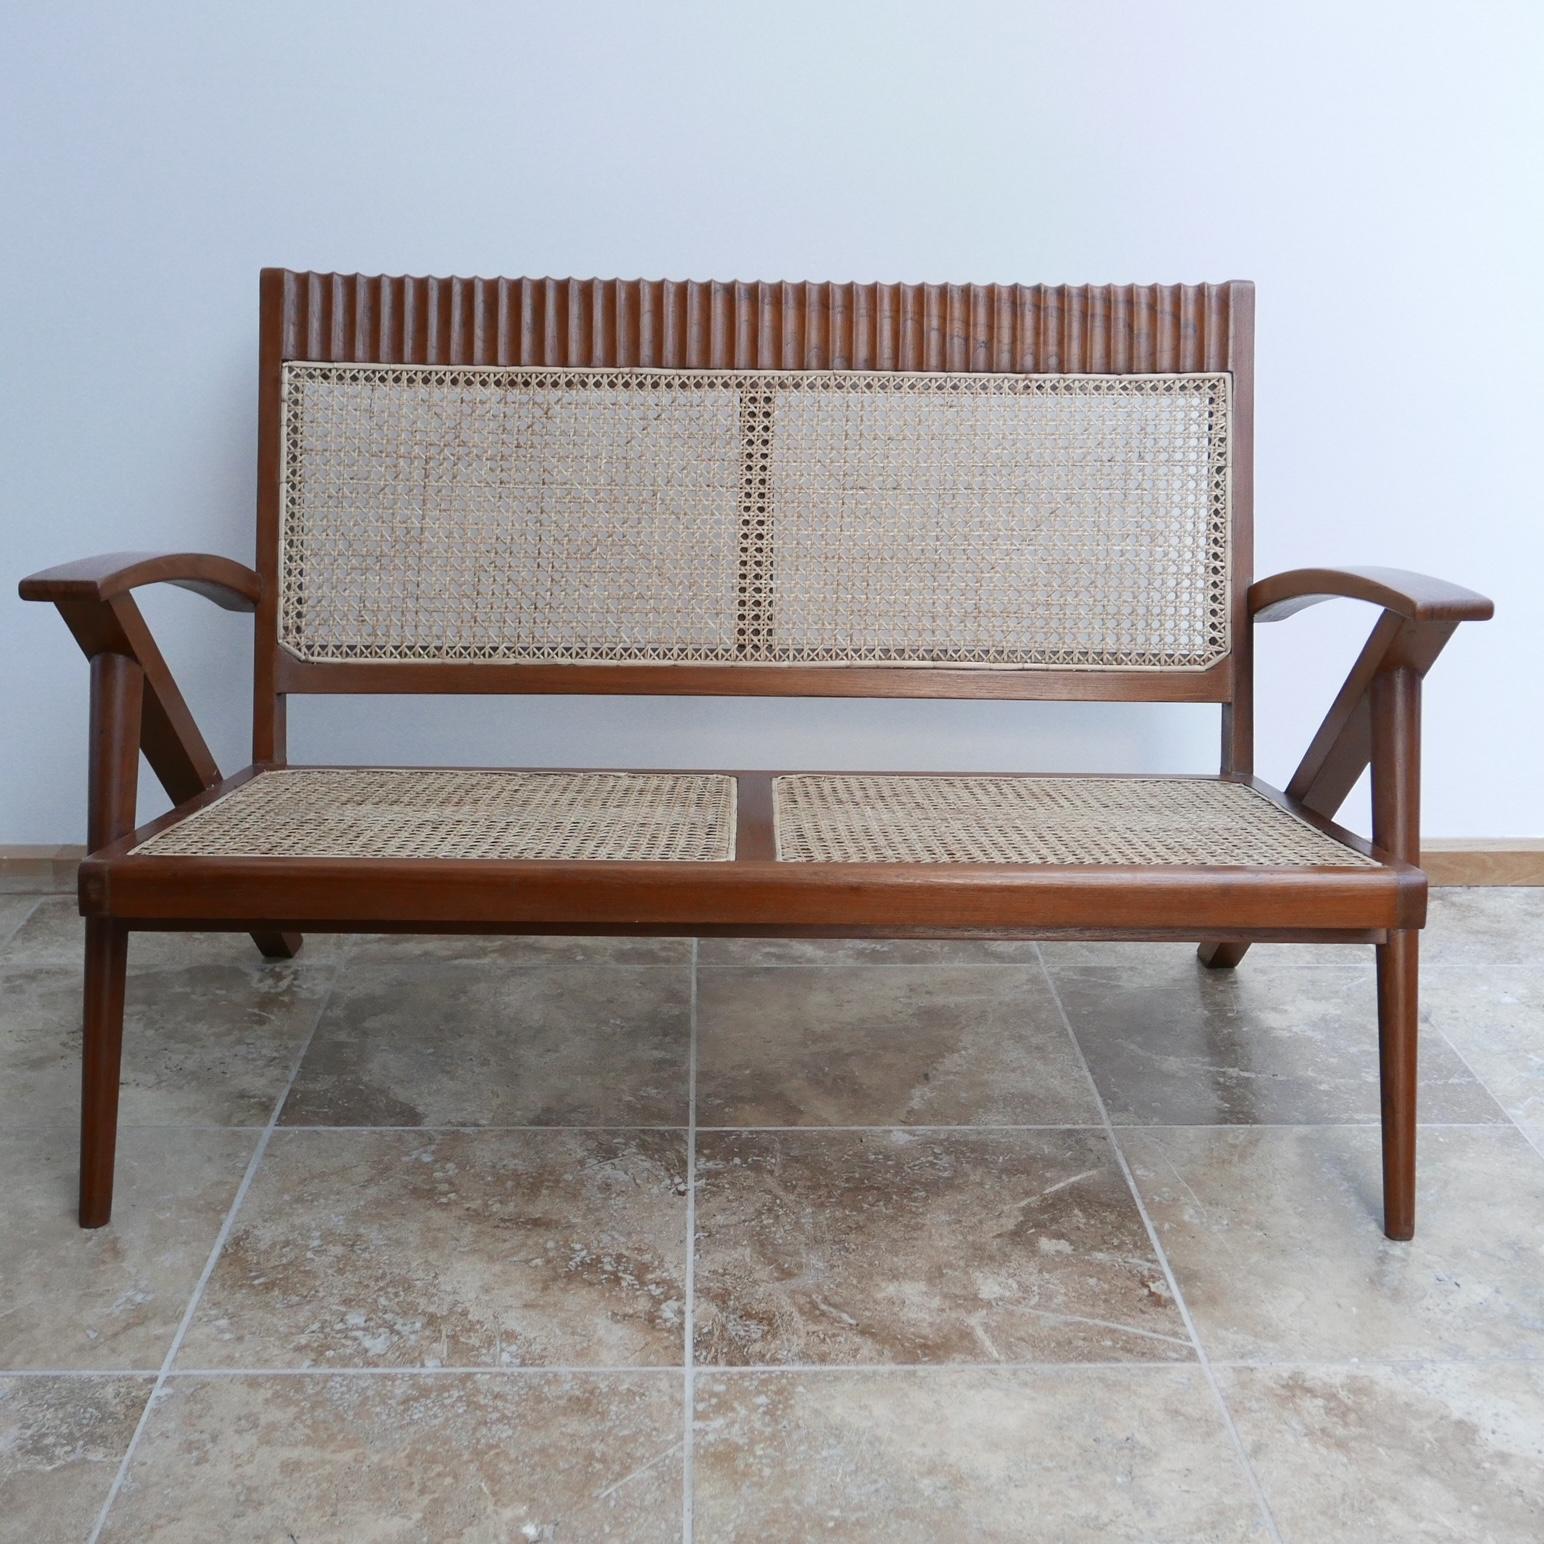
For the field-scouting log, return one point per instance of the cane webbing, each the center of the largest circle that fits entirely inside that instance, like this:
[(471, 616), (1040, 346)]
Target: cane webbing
[(695, 517), (370, 812), (1044, 820)]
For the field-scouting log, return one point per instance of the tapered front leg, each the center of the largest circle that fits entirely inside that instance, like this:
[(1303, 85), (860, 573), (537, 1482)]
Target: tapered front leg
[(106, 960), (1395, 701), (117, 695), (1398, 1030)]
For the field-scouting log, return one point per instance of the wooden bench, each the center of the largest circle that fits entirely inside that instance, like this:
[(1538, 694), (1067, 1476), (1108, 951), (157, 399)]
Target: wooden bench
[(989, 492)]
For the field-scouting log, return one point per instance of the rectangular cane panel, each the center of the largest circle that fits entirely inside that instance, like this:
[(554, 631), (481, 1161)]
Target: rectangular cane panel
[(449, 814), (610, 516), (985, 520), (1122, 821)]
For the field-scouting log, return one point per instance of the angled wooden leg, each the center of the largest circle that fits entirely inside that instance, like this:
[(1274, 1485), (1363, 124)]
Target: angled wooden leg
[(1398, 1026), (1396, 826), (278, 946), (115, 639), (117, 695), (1216, 955), (106, 958)]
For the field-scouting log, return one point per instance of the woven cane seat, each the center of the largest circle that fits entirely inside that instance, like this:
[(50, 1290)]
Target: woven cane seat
[(1147, 821), (619, 817), (370, 812)]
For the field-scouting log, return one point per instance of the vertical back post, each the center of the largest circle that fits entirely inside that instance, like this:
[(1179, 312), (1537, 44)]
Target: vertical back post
[(1238, 714), (268, 726)]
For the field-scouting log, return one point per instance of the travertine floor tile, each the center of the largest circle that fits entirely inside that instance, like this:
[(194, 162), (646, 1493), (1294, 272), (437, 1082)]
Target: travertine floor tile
[(1432, 1453), (14, 910), (54, 935), (108, 1298), (1275, 1238), (1407, 1401), (523, 949), (850, 1045), (1484, 926), (462, 1249), (61, 1441), (892, 1246), (203, 1045), (32, 883), (864, 951), (1175, 1047), (485, 1458), (906, 1457), (1494, 1016), (1170, 957), (438, 1044)]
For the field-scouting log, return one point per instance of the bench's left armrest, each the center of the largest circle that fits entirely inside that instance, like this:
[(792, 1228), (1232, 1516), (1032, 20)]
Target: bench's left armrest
[(110, 574)]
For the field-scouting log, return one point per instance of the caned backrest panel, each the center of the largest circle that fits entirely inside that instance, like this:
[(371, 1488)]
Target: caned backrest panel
[(834, 489), (612, 516)]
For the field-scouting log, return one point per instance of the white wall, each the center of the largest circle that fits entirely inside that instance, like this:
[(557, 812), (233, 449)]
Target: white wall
[(1375, 168)]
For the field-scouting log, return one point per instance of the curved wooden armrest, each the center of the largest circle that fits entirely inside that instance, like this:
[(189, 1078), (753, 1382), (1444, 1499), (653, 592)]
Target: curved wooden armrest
[(1415, 597), (222, 580)]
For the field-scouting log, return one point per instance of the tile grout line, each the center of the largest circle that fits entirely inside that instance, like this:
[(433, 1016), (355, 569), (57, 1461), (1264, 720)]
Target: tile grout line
[(19, 924), (760, 1369), (1204, 1361), (436, 1130), (253, 1163), (1464, 1062), (1146, 1125), (816, 1129), (1027, 963), (78, 1372), (1085, 967), (688, 1381)]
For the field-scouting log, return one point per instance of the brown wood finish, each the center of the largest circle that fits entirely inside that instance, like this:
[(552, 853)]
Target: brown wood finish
[(844, 930), (1398, 1034), (107, 624), (1116, 329), (1376, 720), (117, 685), (107, 953), (1396, 826), (222, 580), (577, 323), (434, 892), (1448, 862), (1222, 953), (753, 891), (112, 790), (1212, 685), (1415, 597), (275, 322), (1238, 710), (1420, 615)]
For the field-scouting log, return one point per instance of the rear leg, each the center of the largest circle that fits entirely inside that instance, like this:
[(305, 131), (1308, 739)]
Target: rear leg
[(1216, 955), (278, 946)]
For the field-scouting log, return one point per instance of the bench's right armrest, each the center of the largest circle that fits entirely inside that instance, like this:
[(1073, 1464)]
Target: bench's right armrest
[(222, 580), (1415, 597)]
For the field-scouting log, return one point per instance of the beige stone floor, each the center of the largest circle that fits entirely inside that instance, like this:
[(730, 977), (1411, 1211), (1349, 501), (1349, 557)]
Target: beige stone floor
[(991, 1242)]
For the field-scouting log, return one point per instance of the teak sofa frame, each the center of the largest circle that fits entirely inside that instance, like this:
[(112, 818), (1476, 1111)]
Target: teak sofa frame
[(136, 705)]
